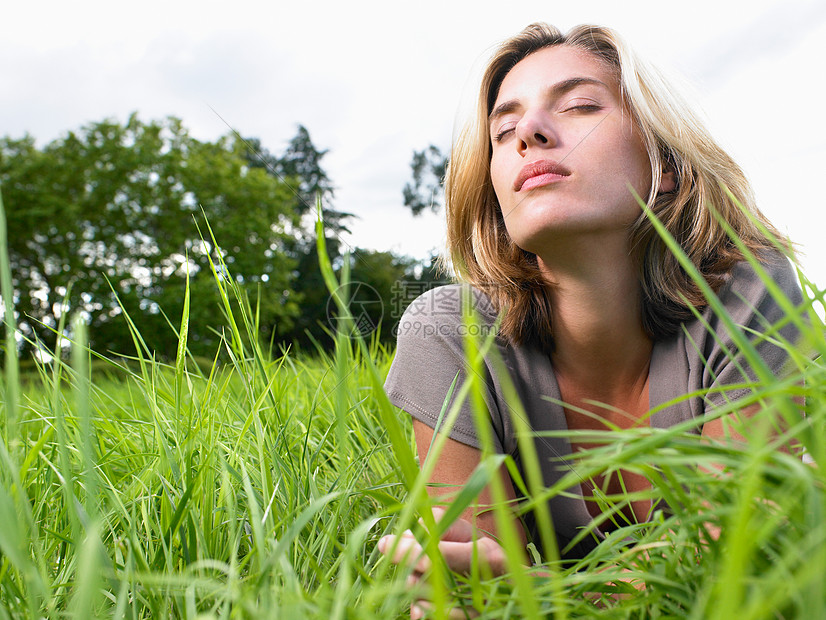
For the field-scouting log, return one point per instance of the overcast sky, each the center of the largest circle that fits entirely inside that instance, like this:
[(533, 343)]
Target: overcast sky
[(372, 81)]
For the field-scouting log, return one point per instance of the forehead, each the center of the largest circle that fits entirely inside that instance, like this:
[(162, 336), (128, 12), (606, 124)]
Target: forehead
[(551, 65)]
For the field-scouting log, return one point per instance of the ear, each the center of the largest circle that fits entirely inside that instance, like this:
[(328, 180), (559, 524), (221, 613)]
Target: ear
[(668, 180)]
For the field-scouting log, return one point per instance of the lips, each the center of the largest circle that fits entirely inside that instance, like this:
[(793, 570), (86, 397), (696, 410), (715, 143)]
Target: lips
[(539, 173)]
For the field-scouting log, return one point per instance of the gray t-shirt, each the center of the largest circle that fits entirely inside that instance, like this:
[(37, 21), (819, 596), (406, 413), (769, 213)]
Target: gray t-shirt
[(430, 356)]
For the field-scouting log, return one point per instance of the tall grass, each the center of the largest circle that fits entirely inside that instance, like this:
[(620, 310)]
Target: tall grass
[(258, 488)]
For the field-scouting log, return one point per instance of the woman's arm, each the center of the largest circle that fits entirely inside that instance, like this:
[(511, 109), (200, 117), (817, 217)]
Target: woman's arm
[(477, 527), (456, 463)]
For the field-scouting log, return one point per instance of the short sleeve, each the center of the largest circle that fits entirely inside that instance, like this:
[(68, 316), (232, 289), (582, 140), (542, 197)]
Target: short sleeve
[(430, 359), (723, 368)]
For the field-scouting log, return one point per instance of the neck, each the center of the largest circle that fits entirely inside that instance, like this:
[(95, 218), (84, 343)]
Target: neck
[(600, 345)]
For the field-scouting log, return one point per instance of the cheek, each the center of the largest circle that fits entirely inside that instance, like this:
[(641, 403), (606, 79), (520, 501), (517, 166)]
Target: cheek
[(498, 179), (628, 164), (639, 164), (642, 182)]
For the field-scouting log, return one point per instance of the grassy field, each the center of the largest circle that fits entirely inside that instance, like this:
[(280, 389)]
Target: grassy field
[(258, 487)]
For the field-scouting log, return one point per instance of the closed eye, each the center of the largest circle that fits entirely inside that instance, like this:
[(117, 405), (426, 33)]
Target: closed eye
[(504, 130), (502, 134), (584, 107)]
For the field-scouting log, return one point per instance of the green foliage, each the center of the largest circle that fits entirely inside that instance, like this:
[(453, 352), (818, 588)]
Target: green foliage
[(425, 190), (106, 221), (102, 221), (301, 164)]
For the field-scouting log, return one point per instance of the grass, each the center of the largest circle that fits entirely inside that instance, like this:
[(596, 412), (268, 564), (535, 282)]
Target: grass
[(171, 493), (259, 487)]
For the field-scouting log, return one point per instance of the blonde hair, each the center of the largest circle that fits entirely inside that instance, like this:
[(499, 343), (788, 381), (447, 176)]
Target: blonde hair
[(483, 254)]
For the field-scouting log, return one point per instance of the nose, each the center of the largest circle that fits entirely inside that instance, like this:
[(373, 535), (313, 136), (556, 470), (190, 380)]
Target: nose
[(534, 130)]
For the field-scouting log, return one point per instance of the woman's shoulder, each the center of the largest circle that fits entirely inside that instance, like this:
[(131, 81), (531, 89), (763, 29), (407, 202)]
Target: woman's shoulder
[(436, 318), (446, 303), (756, 299), (759, 289), (772, 268), (705, 352)]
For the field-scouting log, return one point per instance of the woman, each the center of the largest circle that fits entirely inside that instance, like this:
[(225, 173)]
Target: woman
[(544, 224)]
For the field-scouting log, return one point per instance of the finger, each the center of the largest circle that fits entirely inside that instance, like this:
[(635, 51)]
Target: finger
[(417, 611), (386, 542), (459, 556), (405, 550), (459, 531), (438, 513)]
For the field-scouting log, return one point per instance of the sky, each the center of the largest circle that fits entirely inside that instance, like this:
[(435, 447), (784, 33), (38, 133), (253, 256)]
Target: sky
[(374, 81)]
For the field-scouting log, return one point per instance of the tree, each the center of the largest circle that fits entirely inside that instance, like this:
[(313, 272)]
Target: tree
[(388, 277), (426, 190), (381, 285), (103, 219), (300, 166)]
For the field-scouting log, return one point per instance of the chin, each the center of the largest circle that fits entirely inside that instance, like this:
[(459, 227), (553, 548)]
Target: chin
[(577, 235), (538, 243)]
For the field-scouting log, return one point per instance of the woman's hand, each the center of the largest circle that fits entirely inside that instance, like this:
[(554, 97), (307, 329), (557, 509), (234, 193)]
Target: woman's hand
[(457, 548)]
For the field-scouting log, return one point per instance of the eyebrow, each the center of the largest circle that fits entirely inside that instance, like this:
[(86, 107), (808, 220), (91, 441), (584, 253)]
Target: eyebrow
[(557, 90)]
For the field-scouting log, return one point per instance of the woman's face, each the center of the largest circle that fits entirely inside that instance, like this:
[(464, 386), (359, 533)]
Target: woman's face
[(565, 150)]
